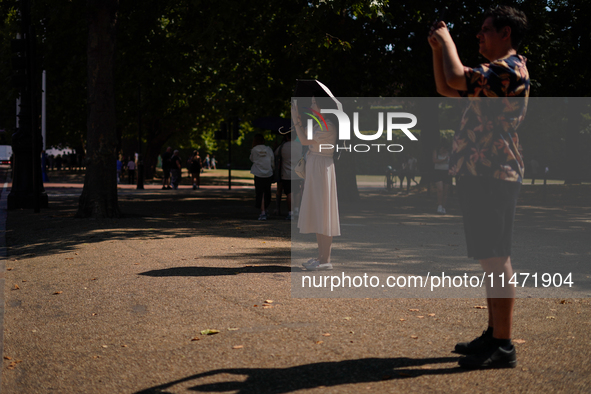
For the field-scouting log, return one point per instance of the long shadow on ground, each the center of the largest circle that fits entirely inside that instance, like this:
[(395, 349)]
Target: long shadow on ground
[(216, 271), (309, 376)]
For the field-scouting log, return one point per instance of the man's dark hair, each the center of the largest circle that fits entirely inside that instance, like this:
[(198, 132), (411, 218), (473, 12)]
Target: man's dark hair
[(508, 16)]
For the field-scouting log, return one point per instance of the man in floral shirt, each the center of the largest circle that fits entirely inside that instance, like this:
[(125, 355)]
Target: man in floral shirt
[(487, 162)]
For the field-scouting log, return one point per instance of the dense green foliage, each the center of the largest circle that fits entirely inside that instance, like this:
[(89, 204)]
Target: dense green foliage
[(196, 63)]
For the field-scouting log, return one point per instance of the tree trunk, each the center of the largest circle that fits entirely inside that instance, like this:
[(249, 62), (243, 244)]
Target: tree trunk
[(99, 196)]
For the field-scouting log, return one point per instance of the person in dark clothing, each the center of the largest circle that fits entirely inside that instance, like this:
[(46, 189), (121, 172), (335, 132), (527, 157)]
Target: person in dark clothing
[(166, 168), (175, 170), (194, 163), (487, 163)]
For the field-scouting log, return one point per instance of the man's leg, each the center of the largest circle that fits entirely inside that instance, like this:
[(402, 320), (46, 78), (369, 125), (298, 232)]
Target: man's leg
[(495, 347), (500, 299)]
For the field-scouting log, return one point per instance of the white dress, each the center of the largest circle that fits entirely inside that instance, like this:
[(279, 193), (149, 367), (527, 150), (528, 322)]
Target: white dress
[(319, 210)]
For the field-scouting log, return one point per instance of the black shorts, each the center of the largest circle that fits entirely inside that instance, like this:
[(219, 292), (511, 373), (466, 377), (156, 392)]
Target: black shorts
[(488, 208), (166, 172)]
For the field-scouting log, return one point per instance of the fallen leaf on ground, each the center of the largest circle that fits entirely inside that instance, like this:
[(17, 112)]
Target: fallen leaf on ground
[(319, 342), (413, 310), (238, 347), (7, 358), (196, 339), (481, 307), (9, 269), (268, 301), (420, 317), (550, 317), (431, 314), (58, 292), (347, 318), (402, 319), (69, 258), (232, 329), (209, 332), (267, 306), (414, 337), (123, 345), (15, 287), (326, 335), (519, 341)]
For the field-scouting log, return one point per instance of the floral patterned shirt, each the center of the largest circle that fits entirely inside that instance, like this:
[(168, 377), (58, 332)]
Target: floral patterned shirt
[(487, 143)]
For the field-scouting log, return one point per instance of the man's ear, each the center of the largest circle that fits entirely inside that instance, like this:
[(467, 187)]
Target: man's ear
[(506, 33)]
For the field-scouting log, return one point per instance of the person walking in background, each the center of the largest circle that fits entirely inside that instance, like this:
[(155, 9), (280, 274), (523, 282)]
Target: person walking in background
[(262, 168), (166, 166), (407, 170), (487, 163), (277, 176), (213, 163), (206, 163), (195, 169), (441, 176), (175, 169), (51, 159), (119, 169), (288, 176), (131, 170)]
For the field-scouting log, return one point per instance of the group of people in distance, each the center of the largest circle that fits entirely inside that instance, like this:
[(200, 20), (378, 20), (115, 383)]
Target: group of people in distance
[(126, 165), (172, 168), (486, 160)]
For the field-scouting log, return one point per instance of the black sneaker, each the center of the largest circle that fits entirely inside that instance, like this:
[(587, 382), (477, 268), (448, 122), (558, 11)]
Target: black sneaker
[(494, 357), (476, 346)]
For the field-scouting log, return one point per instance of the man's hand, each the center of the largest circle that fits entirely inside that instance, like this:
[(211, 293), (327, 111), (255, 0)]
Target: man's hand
[(438, 34), (447, 67)]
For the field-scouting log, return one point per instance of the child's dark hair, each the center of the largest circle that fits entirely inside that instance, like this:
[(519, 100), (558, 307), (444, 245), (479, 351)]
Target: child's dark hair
[(508, 16)]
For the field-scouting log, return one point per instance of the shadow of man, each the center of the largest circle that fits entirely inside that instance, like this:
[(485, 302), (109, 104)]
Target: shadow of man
[(324, 374)]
